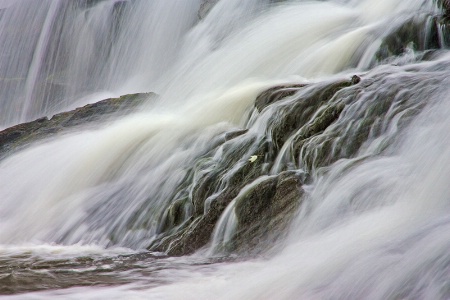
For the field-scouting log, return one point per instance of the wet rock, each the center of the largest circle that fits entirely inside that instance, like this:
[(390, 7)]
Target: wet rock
[(264, 212), (234, 134), (206, 186), (356, 79), (324, 119), (19, 136), (292, 117), (314, 128), (175, 215), (211, 194), (419, 33), (444, 5), (276, 94), (251, 205), (317, 125), (198, 234), (267, 207), (205, 8)]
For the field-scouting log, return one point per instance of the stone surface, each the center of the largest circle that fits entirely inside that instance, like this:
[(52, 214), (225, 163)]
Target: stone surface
[(19, 136), (276, 94), (266, 208), (264, 212)]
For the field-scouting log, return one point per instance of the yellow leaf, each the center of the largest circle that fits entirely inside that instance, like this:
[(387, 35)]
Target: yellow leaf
[(253, 158)]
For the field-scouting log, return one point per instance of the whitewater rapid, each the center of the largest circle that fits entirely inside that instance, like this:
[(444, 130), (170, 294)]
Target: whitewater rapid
[(374, 226)]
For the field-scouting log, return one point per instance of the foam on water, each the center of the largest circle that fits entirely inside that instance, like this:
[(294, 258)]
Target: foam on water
[(365, 221)]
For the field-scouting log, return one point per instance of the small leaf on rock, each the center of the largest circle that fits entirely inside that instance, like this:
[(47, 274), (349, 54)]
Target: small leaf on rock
[(253, 158)]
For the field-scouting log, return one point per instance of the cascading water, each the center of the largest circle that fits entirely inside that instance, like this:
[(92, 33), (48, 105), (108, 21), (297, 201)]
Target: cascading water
[(195, 169)]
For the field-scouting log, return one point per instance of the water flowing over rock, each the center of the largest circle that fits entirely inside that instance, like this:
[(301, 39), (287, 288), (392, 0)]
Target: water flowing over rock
[(22, 135), (290, 150), (306, 132), (215, 189)]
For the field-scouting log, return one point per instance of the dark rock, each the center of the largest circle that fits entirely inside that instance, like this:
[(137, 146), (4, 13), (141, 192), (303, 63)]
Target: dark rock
[(205, 187), (420, 33), (264, 211), (275, 94), (198, 233), (291, 118), (217, 188), (250, 206), (444, 5), (174, 216), (315, 128), (234, 134), (10, 136), (269, 205), (19, 136), (356, 79)]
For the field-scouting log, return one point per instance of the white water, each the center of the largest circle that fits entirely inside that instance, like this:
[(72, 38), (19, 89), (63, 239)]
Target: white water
[(373, 231)]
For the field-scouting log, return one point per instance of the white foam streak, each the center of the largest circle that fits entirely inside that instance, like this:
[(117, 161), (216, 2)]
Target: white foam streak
[(292, 30), (208, 76), (53, 252), (373, 10), (68, 168)]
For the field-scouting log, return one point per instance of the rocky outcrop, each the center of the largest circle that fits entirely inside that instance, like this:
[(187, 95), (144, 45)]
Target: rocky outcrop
[(19, 136), (267, 206), (261, 177)]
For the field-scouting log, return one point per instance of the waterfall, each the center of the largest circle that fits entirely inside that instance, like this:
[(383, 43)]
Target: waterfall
[(61, 54), (254, 99)]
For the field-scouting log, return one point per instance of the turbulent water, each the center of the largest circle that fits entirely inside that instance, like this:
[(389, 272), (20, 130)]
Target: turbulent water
[(79, 210)]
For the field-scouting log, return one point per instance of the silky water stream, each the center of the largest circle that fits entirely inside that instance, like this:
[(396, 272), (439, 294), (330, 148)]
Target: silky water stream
[(83, 213)]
